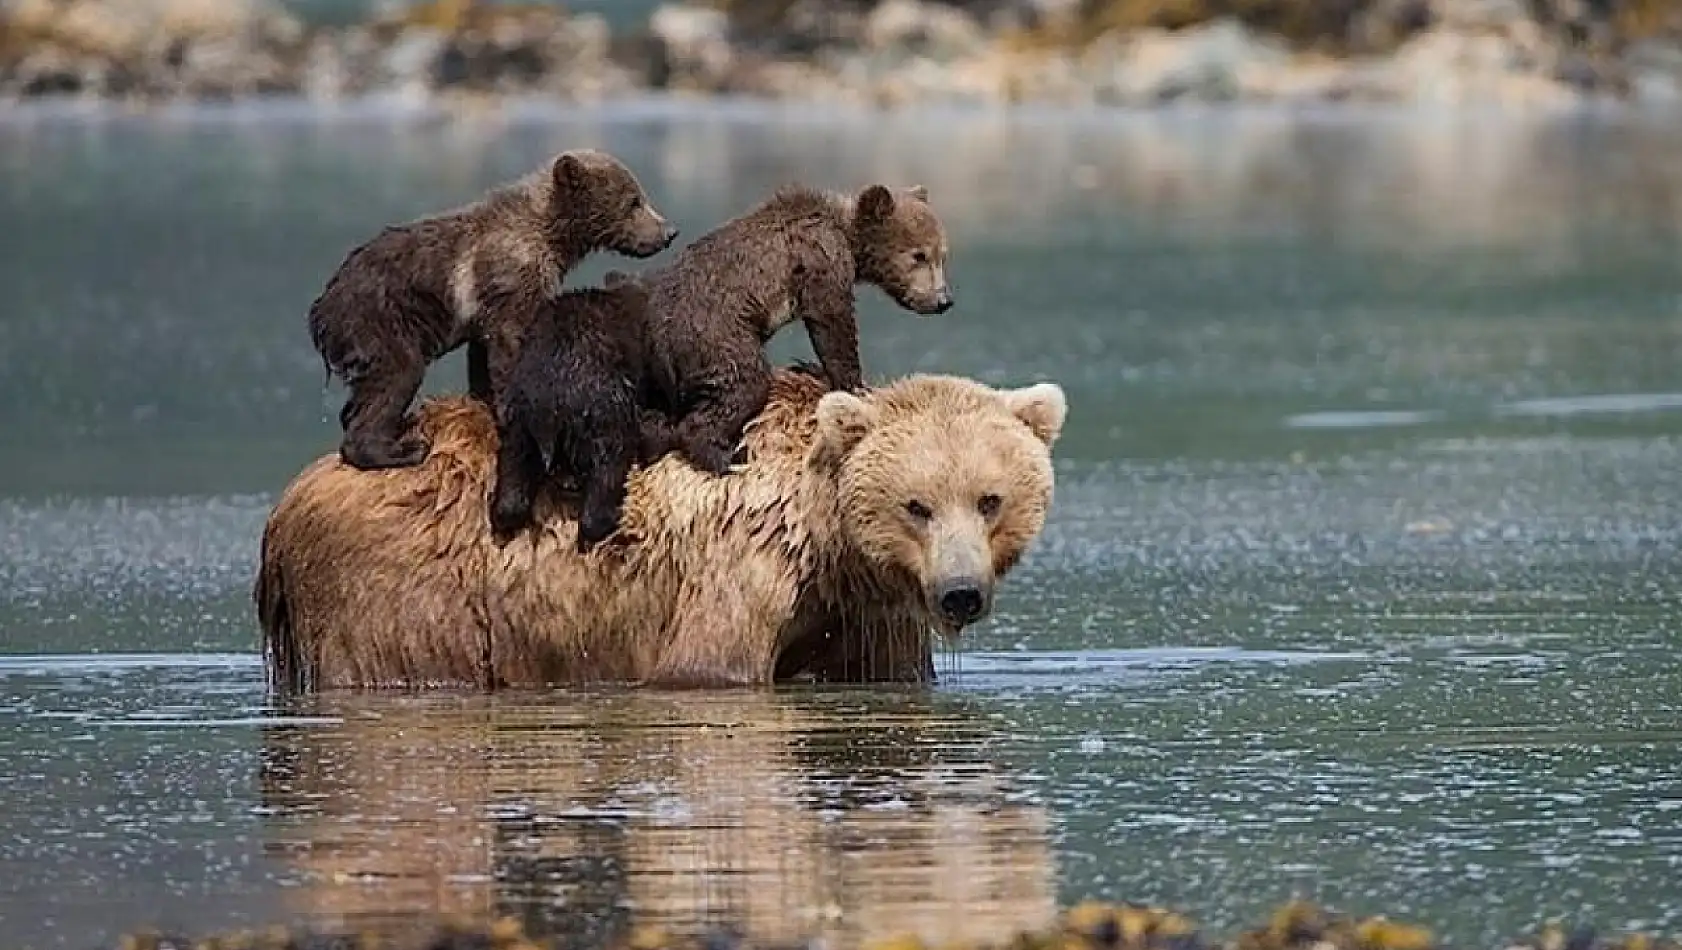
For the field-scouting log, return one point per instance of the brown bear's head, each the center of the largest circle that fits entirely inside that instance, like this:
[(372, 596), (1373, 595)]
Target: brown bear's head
[(901, 247), (943, 481), (595, 191)]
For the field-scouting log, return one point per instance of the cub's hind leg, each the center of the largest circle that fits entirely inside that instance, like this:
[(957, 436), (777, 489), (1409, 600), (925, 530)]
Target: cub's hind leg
[(375, 416), (519, 476), (601, 448)]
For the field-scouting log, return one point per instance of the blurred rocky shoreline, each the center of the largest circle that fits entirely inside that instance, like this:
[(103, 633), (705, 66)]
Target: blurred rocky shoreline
[(1141, 53)]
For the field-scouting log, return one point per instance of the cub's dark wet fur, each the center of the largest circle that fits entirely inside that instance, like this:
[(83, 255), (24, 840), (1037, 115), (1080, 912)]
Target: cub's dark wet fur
[(579, 402), (474, 275)]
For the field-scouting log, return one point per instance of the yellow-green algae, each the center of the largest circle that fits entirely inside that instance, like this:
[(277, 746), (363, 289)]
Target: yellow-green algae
[(1298, 925)]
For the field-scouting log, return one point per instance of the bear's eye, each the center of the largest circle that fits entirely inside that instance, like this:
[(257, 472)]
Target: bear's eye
[(920, 257), (918, 510), (988, 505)]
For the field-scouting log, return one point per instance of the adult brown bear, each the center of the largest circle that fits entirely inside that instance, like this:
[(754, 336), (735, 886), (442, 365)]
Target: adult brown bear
[(859, 525)]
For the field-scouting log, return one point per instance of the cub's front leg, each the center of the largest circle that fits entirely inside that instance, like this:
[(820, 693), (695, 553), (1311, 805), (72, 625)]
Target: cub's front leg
[(832, 323), (506, 315)]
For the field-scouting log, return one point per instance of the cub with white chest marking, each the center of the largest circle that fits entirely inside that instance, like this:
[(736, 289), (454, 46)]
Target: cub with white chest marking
[(476, 275)]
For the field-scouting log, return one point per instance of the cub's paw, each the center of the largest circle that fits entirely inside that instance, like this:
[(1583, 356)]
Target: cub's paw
[(594, 527), (809, 368), (374, 455), (709, 458), (412, 449), (508, 516)]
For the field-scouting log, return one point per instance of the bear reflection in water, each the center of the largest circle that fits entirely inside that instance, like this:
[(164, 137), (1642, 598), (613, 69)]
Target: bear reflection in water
[(843, 816)]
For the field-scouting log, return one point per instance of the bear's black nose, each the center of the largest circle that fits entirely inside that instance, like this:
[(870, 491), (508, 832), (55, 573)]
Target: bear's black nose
[(668, 236), (943, 302), (961, 601)]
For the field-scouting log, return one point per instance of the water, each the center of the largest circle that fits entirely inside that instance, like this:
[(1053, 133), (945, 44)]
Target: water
[(1360, 580)]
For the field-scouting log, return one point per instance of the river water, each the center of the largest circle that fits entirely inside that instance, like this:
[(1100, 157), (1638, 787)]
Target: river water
[(1360, 582)]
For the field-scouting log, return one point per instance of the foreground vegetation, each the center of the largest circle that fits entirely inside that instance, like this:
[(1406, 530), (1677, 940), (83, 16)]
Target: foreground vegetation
[(1089, 926)]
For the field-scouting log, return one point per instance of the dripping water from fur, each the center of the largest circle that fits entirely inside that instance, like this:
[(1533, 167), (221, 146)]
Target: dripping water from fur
[(951, 662)]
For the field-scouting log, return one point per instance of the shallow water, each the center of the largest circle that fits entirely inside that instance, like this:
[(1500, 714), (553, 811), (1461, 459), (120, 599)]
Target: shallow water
[(1359, 582)]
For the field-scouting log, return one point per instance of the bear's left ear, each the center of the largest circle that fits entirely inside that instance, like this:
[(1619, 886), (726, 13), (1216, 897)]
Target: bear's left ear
[(1041, 407), (876, 203), (843, 421), (920, 192), (568, 171)]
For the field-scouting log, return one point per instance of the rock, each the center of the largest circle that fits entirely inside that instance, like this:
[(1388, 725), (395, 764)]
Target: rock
[(228, 67), (1477, 15), (411, 64), (1034, 15), (53, 72), (691, 46), (913, 27), (1655, 72), (1385, 24), (1213, 62), (1447, 67), (514, 51), (154, 47), (325, 73)]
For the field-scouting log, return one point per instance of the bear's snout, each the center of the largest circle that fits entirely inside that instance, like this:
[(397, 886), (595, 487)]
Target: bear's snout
[(962, 601), (646, 236), (929, 302)]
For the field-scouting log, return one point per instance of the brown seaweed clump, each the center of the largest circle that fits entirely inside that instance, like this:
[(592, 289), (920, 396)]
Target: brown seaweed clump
[(1298, 925), (1088, 926), (504, 933), (1555, 936)]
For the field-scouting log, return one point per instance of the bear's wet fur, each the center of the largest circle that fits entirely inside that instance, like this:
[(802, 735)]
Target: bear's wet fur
[(578, 403), (796, 256), (810, 563), (474, 275)]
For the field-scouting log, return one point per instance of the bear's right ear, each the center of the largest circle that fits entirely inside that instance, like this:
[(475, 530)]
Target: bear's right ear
[(632, 293), (843, 421), (876, 203)]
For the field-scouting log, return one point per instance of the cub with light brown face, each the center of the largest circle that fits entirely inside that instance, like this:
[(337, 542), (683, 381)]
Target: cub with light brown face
[(477, 275), (797, 256)]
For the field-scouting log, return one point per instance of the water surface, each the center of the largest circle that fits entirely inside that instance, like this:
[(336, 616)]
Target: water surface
[(1359, 582)]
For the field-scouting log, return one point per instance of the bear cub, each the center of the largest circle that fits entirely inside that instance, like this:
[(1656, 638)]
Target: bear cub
[(578, 403), (475, 275), (796, 256)]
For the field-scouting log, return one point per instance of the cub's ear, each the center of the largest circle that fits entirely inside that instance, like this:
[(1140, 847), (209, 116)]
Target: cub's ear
[(843, 421), (876, 203), (920, 192), (568, 170), (1041, 407), (630, 291)]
